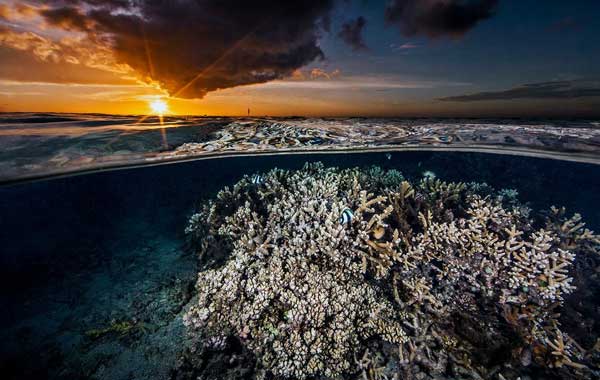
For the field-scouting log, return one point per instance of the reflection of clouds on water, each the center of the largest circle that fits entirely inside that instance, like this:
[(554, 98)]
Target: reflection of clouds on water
[(39, 144)]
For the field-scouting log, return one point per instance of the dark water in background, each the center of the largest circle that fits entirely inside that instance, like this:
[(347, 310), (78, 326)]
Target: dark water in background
[(53, 231), (59, 217)]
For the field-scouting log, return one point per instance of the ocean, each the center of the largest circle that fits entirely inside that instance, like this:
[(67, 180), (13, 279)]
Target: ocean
[(242, 248)]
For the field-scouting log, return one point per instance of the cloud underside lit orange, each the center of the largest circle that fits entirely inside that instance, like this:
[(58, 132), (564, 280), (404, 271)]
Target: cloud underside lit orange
[(30, 84), (63, 56), (277, 99), (22, 66)]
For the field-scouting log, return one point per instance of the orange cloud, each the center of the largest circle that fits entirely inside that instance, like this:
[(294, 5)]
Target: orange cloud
[(18, 12), (4, 12), (26, 11), (20, 65), (297, 75), (73, 50), (317, 73), (43, 48)]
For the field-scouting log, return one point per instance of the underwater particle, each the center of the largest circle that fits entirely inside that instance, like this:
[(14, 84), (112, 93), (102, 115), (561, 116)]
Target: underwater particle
[(429, 174), (388, 156), (347, 216)]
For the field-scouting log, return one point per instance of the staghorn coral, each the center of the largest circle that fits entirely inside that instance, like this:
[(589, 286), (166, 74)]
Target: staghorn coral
[(293, 289), (308, 295)]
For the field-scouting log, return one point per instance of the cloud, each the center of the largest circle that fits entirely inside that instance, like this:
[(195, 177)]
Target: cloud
[(4, 12), (352, 33), (335, 81), (192, 47), (67, 18), (74, 50), (17, 12), (297, 75), (317, 73), (544, 90), (438, 18), (42, 48), (22, 66), (25, 11), (405, 46)]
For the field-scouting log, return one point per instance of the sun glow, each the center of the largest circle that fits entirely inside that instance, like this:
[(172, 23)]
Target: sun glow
[(159, 107)]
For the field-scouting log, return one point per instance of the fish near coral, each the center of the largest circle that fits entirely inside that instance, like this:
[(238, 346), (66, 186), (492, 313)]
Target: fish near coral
[(347, 216), (317, 294), (257, 179), (429, 174)]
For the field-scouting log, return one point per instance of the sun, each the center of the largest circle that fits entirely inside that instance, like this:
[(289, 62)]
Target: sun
[(159, 107)]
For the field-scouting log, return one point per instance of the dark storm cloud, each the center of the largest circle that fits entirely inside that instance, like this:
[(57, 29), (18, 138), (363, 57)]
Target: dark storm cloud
[(437, 18), (352, 33), (544, 90), (112, 4), (68, 18), (194, 47)]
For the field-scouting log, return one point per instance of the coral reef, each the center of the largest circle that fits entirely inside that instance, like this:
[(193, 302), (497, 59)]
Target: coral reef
[(446, 279)]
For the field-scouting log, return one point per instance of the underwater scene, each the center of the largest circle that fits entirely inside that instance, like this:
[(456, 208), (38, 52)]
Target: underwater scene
[(299, 190), (366, 264)]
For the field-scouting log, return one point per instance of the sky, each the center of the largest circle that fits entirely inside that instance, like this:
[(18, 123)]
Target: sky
[(464, 58)]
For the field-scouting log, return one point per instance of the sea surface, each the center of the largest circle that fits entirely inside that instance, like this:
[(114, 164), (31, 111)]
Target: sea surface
[(96, 272), (37, 145)]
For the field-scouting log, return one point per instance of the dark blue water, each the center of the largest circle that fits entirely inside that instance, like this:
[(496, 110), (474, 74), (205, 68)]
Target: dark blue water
[(55, 219), (66, 242)]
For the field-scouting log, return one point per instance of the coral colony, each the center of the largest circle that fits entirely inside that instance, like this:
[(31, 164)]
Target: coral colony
[(332, 273)]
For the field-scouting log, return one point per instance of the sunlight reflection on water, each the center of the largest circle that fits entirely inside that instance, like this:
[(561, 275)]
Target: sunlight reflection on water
[(35, 145)]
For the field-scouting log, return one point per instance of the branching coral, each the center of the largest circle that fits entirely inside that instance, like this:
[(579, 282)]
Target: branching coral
[(293, 289), (308, 295)]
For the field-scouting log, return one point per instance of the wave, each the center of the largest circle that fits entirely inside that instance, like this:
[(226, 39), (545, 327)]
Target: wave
[(42, 144)]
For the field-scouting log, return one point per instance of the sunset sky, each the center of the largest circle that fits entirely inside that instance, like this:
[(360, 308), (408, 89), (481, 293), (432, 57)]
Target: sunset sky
[(302, 57)]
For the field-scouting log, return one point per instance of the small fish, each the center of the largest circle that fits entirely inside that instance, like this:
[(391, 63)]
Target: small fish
[(388, 156), (347, 216), (257, 179), (429, 174)]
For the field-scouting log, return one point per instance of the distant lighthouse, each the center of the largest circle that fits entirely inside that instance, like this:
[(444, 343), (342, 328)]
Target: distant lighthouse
[(248, 111)]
